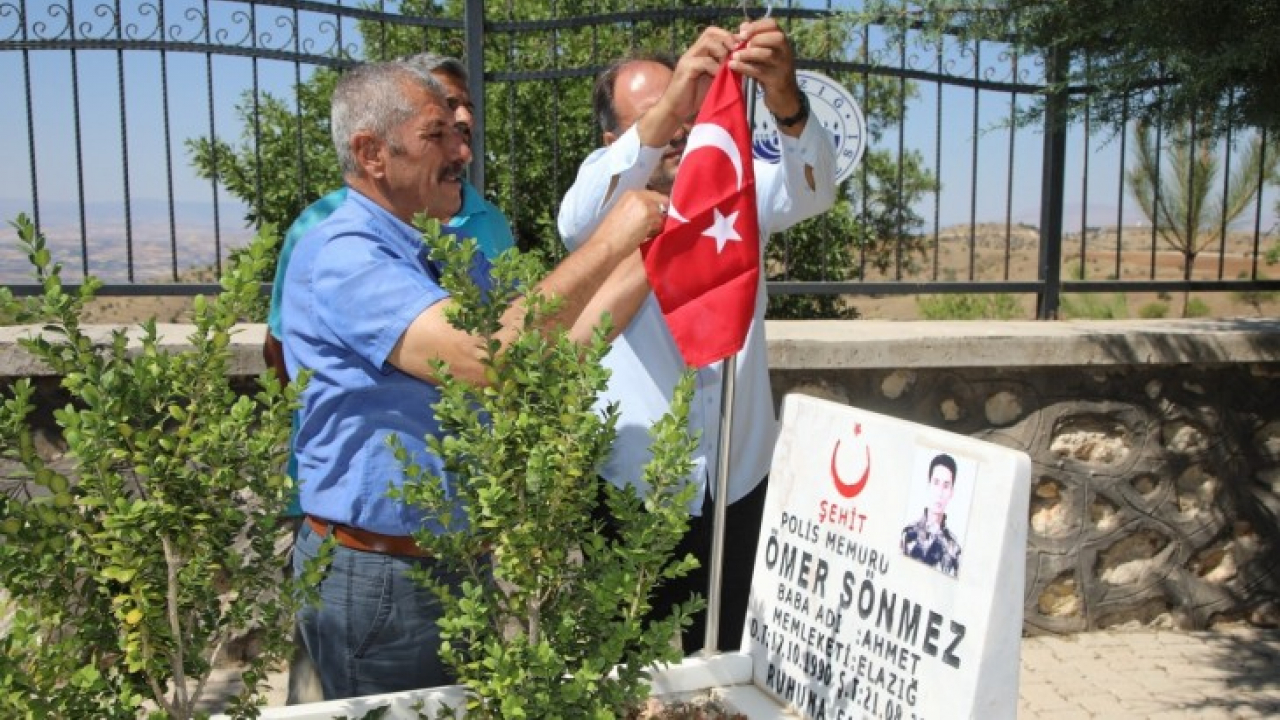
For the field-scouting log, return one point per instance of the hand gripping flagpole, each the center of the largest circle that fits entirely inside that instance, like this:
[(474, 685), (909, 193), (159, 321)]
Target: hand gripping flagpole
[(728, 380)]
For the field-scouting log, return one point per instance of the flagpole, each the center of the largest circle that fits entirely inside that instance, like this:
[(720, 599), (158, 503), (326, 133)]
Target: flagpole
[(729, 371), (728, 381)]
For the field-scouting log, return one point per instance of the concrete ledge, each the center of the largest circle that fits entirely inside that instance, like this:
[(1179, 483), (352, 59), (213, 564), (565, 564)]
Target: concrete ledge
[(867, 344), (246, 346), (870, 344)]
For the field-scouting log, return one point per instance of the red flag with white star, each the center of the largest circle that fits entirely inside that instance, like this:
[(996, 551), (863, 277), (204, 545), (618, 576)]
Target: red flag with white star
[(704, 267)]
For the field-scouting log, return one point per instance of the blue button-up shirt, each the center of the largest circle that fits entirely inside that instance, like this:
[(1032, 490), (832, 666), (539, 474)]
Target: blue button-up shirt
[(354, 284), (478, 218)]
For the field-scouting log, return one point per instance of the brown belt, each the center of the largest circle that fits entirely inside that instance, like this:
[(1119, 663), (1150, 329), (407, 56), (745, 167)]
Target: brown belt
[(367, 540)]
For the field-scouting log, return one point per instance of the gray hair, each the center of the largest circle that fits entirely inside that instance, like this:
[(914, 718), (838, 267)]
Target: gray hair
[(430, 62), (371, 98)]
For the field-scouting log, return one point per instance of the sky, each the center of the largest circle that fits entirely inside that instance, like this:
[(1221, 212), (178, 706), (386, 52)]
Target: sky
[(102, 76), (90, 123), (82, 105)]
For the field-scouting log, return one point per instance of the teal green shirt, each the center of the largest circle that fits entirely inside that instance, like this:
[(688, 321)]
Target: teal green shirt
[(480, 219)]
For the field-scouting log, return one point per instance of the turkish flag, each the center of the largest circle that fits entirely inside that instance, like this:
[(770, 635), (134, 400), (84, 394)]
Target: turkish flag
[(704, 267)]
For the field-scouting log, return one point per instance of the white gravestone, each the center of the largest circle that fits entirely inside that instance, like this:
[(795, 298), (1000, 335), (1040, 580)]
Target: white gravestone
[(889, 577)]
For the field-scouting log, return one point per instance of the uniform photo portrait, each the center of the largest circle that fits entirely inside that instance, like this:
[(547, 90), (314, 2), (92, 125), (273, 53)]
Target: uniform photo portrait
[(938, 509)]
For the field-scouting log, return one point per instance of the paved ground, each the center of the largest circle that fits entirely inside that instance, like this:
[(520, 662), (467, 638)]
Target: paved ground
[(1231, 673)]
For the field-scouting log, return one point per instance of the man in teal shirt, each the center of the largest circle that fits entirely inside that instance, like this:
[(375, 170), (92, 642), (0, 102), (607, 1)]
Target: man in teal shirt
[(475, 218)]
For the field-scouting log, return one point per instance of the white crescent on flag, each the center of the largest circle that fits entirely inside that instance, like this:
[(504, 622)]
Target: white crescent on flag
[(715, 136)]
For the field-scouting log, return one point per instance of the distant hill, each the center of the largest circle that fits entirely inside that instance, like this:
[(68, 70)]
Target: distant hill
[(143, 211), (155, 245)]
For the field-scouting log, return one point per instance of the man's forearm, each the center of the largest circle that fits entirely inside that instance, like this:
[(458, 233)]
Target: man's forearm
[(581, 275), (621, 297)]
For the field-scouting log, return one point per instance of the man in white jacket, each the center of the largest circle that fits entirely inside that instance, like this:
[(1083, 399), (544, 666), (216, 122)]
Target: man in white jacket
[(645, 106)]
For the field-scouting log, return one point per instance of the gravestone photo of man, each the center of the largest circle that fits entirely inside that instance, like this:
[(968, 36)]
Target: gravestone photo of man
[(928, 538)]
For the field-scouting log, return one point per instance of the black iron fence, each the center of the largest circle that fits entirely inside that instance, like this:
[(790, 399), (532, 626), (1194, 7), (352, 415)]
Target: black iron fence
[(146, 138)]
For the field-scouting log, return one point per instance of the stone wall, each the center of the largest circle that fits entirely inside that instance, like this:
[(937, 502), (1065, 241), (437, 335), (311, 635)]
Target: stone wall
[(1152, 487), (1155, 455), (1155, 446)]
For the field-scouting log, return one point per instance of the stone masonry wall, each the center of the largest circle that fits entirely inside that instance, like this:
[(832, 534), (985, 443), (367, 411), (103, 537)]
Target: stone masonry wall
[(1154, 488)]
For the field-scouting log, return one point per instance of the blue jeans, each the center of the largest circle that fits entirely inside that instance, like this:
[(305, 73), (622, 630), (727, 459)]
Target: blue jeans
[(375, 629)]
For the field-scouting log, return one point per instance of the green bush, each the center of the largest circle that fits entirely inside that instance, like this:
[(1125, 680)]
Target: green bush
[(1091, 306), (1154, 311), (131, 566), (1255, 298), (552, 602), (1000, 306), (1197, 308)]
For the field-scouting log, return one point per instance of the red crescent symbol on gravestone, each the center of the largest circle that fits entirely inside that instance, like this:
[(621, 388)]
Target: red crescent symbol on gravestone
[(846, 489)]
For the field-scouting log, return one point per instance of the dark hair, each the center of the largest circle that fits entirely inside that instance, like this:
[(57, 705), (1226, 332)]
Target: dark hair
[(602, 94), (945, 461)]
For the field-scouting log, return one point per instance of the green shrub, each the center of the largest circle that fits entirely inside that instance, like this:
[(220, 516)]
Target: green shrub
[(1255, 298), (1092, 306), (1154, 311), (962, 306), (552, 602), (130, 567), (1197, 308)]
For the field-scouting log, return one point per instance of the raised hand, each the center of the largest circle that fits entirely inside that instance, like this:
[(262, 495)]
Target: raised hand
[(694, 71), (638, 216), (768, 58)]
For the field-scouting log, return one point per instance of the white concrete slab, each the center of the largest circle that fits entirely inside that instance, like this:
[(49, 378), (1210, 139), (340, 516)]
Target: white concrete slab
[(890, 571)]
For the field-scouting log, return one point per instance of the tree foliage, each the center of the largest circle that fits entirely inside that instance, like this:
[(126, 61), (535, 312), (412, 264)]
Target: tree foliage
[(132, 561), (1215, 61), (1184, 199), (874, 222), (539, 129), (284, 160), (552, 602)]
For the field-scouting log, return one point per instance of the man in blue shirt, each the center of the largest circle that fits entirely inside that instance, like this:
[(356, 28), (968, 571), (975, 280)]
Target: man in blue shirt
[(363, 310), (475, 218)]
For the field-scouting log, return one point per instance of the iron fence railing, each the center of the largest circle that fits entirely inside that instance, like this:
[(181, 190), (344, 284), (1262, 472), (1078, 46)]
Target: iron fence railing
[(955, 194)]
